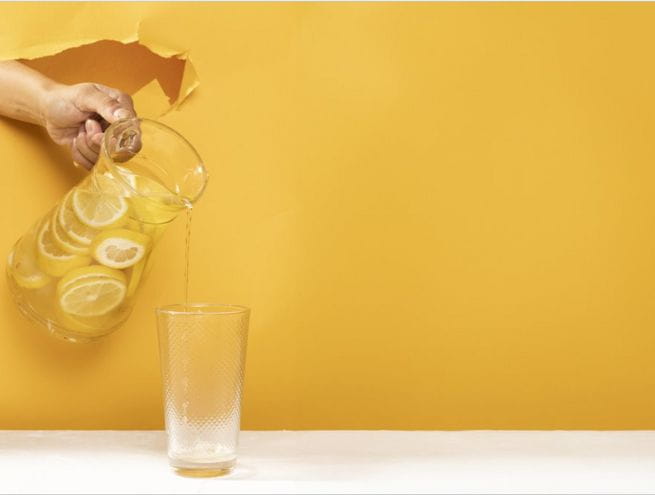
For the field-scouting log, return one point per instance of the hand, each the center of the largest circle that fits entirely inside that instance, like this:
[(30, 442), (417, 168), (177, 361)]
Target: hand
[(76, 116)]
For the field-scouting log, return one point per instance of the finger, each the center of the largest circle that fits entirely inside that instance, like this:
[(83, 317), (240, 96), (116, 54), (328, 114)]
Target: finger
[(92, 126), (93, 135), (94, 143), (84, 149), (124, 99), (97, 139), (113, 92), (91, 99), (78, 158)]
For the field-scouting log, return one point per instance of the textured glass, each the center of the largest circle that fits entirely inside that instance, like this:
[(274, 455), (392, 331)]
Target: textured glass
[(203, 350)]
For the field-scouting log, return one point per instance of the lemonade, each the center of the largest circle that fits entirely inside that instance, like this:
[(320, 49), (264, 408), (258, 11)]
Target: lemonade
[(78, 269)]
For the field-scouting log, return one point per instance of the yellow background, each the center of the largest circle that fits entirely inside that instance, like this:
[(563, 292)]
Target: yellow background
[(442, 216)]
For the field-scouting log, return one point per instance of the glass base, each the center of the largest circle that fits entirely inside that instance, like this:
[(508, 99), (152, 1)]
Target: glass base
[(202, 472), (202, 469)]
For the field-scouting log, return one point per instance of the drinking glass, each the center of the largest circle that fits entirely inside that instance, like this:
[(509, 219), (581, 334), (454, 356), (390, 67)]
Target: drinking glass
[(203, 351)]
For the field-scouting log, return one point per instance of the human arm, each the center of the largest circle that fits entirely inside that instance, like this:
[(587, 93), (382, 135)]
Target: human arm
[(74, 116)]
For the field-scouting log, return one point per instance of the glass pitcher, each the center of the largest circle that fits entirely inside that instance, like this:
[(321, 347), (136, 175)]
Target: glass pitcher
[(77, 270)]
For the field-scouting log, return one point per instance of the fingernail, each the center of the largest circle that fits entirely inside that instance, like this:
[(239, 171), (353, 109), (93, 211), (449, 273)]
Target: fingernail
[(88, 126), (122, 113)]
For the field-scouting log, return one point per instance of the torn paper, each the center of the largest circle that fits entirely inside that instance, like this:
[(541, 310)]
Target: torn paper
[(154, 97)]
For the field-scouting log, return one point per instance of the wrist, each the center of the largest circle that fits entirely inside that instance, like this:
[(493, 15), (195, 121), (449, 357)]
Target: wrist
[(47, 96)]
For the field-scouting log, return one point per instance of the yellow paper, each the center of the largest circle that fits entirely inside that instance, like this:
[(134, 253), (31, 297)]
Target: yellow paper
[(30, 44), (439, 213), (151, 101)]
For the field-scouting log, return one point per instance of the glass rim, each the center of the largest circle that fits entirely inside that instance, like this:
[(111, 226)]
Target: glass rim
[(209, 309), (112, 164)]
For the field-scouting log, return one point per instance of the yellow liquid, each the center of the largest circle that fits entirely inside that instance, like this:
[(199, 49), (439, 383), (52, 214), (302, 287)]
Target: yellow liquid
[(189, 214), (38, 281)]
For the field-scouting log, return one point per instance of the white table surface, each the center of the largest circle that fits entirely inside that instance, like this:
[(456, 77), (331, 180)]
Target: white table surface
[(338, 462)]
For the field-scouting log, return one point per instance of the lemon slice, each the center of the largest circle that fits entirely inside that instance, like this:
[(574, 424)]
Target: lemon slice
[(120, 248), (84, 326), (92, 326), (51, 258), (88, 272), (100, 206), (63, 240), (76, 230), (93, 296), (22, 267)]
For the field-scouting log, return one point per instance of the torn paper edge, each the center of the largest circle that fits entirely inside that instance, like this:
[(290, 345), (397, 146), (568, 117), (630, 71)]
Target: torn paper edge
[(189, 81)]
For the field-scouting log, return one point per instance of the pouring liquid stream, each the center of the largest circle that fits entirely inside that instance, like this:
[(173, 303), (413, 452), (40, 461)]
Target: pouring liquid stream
[(189, 214)]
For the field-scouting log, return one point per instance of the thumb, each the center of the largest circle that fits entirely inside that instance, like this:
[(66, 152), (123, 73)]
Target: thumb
[(92, 100)]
